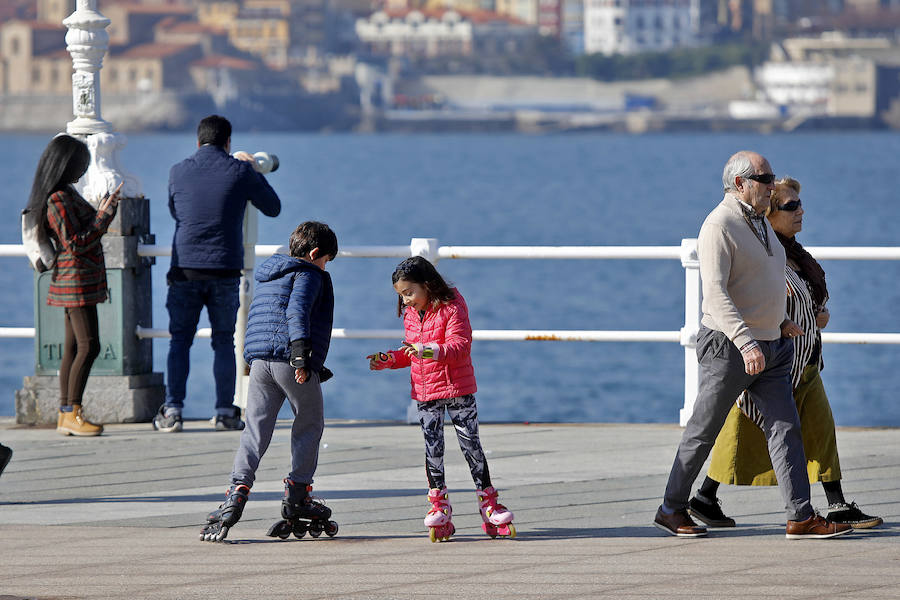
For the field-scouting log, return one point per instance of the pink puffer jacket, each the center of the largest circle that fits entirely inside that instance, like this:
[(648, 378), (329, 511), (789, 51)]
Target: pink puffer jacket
[(451, 375)]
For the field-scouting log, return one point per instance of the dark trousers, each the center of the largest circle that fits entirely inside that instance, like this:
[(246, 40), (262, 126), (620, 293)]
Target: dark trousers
[(464, 415), (185, 301), (80, 350), (722, 379)]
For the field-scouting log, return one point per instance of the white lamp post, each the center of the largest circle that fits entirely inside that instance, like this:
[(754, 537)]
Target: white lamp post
[(87, 41)]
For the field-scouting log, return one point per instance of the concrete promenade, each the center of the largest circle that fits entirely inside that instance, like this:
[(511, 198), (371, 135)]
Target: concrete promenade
[(118, 517)]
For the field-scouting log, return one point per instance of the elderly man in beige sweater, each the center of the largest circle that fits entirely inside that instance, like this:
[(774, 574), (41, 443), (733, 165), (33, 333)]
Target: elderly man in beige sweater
[(742, 345)]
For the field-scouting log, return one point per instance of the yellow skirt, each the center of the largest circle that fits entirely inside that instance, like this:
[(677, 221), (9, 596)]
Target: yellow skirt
[(741, 455)]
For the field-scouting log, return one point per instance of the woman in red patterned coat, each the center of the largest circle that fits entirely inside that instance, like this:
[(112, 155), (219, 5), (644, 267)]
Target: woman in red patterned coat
[(79, 275)]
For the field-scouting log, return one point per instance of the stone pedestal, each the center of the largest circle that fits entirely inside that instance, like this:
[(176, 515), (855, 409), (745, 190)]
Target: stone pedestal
[(107, 398)]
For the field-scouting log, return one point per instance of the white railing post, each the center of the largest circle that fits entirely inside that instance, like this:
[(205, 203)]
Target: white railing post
[(245, 294), (692, 311), (426, 248)]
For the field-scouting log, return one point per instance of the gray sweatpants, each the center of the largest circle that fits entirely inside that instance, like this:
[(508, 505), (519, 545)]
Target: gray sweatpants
[(722, 379), (270, 383)]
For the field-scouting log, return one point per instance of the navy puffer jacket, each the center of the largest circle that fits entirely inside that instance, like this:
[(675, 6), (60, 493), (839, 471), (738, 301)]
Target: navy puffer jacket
[(293, 300), (208, 194)]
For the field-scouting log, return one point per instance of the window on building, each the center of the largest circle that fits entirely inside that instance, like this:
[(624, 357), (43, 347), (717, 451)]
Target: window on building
[(35, 75), (14, 46), (132, 75), (113, 74), (639, 22)]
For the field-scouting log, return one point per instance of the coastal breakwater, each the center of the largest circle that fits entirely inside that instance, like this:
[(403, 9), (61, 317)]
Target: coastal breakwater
[(449, 104), (175, 111)]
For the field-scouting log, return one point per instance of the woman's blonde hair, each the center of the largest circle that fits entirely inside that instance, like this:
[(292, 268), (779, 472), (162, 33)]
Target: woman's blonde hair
[(781, 186)]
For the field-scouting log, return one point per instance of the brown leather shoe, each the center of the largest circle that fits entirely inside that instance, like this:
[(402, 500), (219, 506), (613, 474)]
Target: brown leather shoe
[(678, 524), (815, 528)]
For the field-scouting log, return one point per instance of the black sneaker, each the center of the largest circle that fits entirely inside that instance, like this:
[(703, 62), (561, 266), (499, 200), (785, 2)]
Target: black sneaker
[(229, 423), (851, 515), (170, 424), (709, 513), (5, 454)]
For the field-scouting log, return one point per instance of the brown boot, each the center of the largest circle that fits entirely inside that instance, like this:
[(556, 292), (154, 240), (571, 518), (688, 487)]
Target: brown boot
[(74, 423), (59, 421)]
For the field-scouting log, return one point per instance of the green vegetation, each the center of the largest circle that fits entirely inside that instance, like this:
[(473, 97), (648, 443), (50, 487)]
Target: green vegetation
[(682, 62)]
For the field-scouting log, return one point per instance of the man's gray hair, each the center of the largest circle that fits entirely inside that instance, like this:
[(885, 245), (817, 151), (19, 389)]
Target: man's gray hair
[(738, 165)]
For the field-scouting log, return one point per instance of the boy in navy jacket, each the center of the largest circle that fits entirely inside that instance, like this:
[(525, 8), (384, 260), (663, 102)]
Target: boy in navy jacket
[(288, 334)]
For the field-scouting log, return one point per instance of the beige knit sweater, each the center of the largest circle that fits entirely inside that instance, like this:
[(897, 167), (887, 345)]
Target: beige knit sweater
[(744, 291)]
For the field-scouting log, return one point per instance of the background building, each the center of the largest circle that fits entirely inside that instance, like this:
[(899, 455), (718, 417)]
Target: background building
[(632, 26)]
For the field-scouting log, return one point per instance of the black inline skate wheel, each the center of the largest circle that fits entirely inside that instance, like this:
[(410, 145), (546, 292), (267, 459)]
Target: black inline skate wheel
[(281, 529), (316, 528), (331, 529), (299, 529)]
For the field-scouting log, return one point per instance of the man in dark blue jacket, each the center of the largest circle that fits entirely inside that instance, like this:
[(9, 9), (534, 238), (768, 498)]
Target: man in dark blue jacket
[(208, 195)]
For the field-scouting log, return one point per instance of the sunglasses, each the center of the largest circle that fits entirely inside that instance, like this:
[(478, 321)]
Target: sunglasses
[(790, 206), (765, 178)]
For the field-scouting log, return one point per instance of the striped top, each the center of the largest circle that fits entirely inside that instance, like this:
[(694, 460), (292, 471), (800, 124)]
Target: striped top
[(801, 310), (807, 347), (79, 276)]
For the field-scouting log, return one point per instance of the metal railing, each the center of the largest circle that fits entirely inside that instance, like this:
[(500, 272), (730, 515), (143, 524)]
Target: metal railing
[(429, 248)]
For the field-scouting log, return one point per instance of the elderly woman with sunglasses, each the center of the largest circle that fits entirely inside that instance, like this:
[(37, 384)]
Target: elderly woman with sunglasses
[(740, 455)]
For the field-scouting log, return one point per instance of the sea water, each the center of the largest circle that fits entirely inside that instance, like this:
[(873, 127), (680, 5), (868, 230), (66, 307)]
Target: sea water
[(585, 189)]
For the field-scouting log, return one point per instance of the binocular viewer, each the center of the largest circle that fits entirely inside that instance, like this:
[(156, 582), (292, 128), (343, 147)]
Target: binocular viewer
[(265, 162)]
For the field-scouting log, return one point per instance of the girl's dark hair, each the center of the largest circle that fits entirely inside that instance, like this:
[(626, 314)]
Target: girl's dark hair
[(419, 270), (64, 161), (311, 235)]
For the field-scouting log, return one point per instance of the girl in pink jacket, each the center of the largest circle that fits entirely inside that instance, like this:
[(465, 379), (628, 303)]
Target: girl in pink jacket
[(437, 350)]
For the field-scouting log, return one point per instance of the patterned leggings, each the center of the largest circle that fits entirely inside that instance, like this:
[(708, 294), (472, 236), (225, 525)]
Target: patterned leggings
[(464, 416)]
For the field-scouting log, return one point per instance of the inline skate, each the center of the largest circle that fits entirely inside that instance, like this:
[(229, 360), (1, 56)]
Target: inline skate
[(300, 513), (219, 521), (440, 528), (497, 518)]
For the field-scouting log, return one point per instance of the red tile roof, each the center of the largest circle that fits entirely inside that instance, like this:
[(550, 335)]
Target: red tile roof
[(474, 16), (228, 62), (152, 50), (173, 25), (41, 25), (151, 9)]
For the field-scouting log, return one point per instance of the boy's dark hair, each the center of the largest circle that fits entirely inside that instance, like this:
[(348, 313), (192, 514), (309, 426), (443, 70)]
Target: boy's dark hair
[(311, 235), (214, 130), (418, 270), (64, 161)]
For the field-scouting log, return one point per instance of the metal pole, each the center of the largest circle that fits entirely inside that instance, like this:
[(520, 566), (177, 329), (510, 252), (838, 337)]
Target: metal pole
[(693, 296), (426, 248), (242, 379)]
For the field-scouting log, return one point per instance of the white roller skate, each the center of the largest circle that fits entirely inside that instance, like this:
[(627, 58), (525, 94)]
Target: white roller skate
[(440, 528), (497, 518)]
